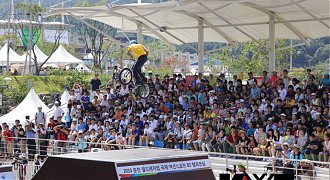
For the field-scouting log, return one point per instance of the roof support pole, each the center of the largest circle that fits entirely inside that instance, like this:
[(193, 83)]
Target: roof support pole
[(200, 46), (271, 43), (139, 34)]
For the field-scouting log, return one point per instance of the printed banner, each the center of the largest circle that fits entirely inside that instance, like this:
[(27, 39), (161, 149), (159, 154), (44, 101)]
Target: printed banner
[(162, 168), (49, 36), (6, 172)]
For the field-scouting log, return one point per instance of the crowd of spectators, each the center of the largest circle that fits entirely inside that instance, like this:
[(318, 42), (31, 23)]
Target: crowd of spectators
[(271, 117)]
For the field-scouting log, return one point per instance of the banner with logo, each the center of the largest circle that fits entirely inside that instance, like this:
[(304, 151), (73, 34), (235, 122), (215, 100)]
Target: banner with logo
[(162, 168), (6, 173), (52, 35)]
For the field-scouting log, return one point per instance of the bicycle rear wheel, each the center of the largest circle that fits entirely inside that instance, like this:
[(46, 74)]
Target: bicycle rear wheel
[(143, 91), (125, 76)]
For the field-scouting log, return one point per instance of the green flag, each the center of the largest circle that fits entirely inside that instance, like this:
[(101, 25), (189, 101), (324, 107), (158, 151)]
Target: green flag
[(26, 36)]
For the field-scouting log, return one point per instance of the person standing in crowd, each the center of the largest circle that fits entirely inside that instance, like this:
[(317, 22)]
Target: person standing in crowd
[(95, 85), (31, 141), (8, 136), (42, 138), (58, 112), (40, 117)]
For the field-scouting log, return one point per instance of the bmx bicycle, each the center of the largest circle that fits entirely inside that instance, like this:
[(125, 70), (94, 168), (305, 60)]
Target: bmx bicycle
[(126, 77)]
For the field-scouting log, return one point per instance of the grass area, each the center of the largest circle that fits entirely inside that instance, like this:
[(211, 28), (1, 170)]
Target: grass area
[(54, 83)]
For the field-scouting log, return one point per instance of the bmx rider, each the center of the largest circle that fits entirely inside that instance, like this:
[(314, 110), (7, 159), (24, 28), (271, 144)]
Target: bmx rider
[(140, 54)]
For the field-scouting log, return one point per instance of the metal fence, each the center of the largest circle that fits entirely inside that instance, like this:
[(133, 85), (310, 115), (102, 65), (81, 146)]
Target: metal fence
[(221, 162)]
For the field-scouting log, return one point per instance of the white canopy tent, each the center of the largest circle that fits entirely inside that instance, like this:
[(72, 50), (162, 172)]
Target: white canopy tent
[(29, 106), (13, 56), (83, 68), (186, 21), (61, 56), (41, 56)]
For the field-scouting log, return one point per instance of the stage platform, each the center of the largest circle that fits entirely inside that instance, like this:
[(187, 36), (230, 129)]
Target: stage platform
[(141, 163)]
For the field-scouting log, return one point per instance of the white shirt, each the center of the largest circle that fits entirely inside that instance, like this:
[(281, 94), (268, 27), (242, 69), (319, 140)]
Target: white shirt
[(93, 127), (282, 93), (58, 112), (153, 124), (104, 103), (123, 91), (40, 117), (187, 134), (295, 87), (148, 131)]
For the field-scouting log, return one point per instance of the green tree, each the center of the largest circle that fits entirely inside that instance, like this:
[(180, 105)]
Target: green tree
[(37, 26), (94, 41), (251, 56)]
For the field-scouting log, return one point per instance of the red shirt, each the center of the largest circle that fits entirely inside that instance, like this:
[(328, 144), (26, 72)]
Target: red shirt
[(274, 81), (232, 139), (9, 134)]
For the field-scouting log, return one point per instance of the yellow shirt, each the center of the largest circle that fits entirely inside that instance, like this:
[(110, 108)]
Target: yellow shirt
[(137, 50)]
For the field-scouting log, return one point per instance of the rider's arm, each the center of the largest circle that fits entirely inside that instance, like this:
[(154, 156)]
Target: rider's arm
[(146, 50), (129, 54)]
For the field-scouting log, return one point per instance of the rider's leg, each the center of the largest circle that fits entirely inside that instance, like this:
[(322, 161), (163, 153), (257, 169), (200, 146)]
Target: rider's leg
[(136, 73), (137, 68)]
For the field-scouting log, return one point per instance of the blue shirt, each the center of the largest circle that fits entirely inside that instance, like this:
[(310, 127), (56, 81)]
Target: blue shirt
[(168, 105), (30, 134), (292, 156), (250, 132), (111, 137), (201, 98), (255, 93), (82, 126), (193, 83), (83, 99), (325, 81)]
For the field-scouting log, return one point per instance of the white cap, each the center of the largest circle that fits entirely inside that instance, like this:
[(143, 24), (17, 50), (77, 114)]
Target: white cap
[(283, 115), (56, 102)]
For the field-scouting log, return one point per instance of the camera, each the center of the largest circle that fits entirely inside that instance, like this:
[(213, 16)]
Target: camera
[(232, 170)]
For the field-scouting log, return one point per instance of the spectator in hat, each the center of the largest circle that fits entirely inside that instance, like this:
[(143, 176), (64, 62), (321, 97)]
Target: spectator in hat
[(82, 142), (243, 141), (58, 111), (274, 80), (296, 155), (286, 152)]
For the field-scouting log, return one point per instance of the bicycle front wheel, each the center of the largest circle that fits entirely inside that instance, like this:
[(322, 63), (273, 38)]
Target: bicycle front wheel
[(125, 76)]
